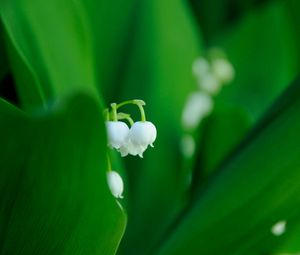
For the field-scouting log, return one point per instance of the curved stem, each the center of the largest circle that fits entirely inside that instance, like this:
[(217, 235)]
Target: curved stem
[(125, 103), (143, 115), (138, 102), (114, 111), (125, 116)]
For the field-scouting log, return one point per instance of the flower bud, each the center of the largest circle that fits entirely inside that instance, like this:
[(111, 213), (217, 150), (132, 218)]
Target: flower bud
[(115, 184), (117, 132), (223, 70)]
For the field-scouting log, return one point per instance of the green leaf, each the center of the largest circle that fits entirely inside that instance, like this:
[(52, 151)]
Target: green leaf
[(221, 133), (215, 16), (54, 195), (263, 52), (111, 25), (53, 40), (3, 60), (257, 187)]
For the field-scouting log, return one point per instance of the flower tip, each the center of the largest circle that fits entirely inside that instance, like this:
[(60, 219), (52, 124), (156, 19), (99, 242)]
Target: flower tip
[(151, 144), (141, 155)]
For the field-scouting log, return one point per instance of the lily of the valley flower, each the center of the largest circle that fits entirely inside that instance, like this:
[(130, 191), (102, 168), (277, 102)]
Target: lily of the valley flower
[(209, 83), (117, 132), (200, 66), (133, 141), (141, 135), (198, 106), (115, 184), (213, 72)]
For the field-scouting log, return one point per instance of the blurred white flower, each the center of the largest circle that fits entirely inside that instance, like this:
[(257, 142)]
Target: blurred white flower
[(279, 228), (200, 67), (223, 70), (188, 145), (198, 106), (209, 83), (141, 135), (115, 184), (117, 132)]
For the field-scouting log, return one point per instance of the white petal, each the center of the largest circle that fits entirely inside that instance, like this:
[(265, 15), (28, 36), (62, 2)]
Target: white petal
[(198, 106), (152, 132), (223, 69), (279, 228), (142, 133), (200, 67), (209, 83), (123, 150), (115, 184), (117, 132), (131, 149), (188, 145)]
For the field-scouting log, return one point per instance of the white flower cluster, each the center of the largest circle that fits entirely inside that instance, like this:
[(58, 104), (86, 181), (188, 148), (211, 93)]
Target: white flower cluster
[(211, 73), (134, 140)]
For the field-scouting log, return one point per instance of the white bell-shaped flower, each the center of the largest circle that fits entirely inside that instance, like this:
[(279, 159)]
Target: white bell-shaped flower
[(198, 106), (141, 135), (210, 83), (117, 132), (115, 184), (200, 67), (223, 70), (129, 148)]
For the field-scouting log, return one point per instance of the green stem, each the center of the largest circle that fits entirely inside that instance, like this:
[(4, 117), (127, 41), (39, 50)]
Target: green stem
[(114, 111), (133, 101), (122, 116), (125, 103), (143, 115), (139, 103), (106, 114), (108, 163)]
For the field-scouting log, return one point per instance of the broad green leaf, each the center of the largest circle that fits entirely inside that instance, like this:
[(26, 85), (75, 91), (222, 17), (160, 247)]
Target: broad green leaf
[(54, 195), (215, 16), (221, 133), (292, 8), (53, 41), (3, 60), (263, 51), (257, 187), (159, 72), (111, 24), (25, 81)]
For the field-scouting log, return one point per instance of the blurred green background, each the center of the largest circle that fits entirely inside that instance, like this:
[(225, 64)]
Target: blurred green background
[(63, 61)]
